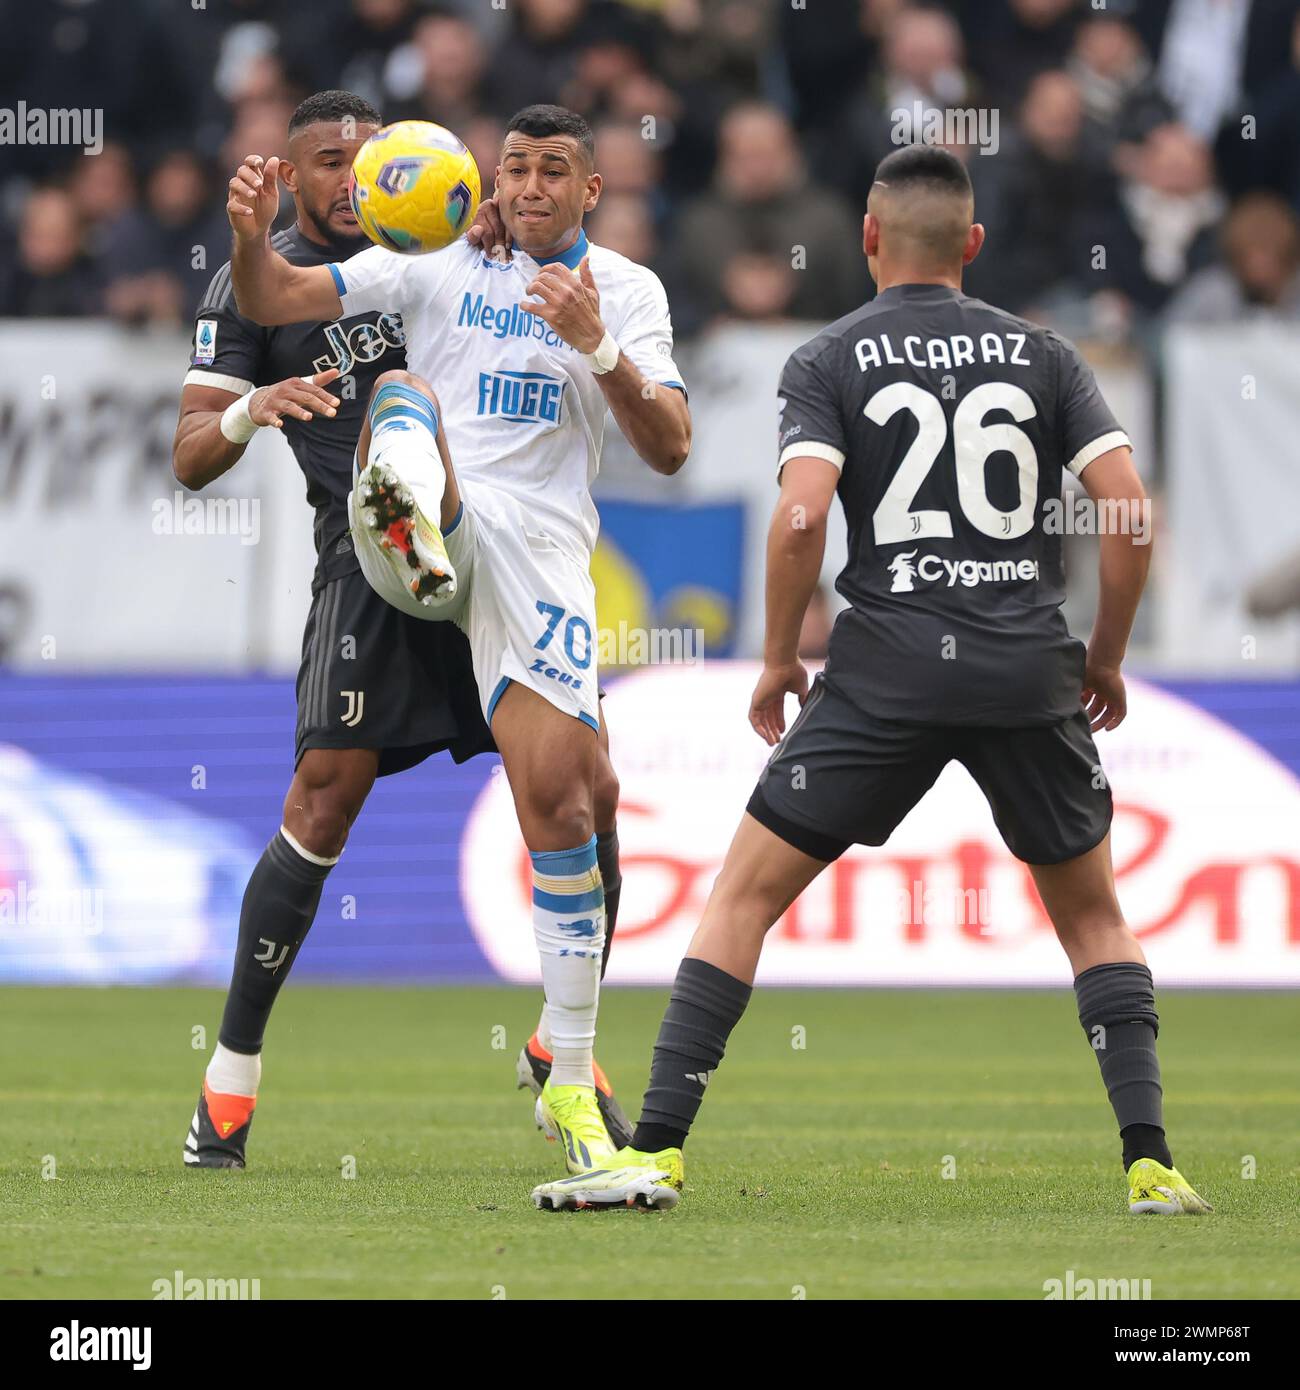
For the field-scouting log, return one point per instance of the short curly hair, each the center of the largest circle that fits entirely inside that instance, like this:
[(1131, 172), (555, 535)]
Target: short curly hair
[(334, 105)]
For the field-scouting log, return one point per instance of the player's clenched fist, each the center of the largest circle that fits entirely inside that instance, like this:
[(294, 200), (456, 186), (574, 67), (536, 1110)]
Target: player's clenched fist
[(254, 196), (298, 397)]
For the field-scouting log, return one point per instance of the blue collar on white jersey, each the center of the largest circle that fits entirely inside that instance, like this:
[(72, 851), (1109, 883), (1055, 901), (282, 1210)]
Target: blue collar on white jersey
[(571, 258)]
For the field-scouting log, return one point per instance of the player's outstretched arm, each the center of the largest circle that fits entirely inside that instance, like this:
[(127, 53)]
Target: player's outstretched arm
[(268, 289), (1125, 529), (215, 425), (796, 546)]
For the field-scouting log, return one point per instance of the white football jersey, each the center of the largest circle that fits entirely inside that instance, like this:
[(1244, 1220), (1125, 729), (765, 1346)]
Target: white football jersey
[(521, 408)]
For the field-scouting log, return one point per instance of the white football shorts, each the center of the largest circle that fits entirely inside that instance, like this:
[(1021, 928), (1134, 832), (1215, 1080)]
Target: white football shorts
[(527, 607)]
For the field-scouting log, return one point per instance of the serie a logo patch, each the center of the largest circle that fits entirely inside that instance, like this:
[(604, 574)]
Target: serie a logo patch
[(205, 343)]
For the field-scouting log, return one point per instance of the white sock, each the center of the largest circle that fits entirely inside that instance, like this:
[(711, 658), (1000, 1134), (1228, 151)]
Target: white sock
[(403, 435), (544, 1031), (569, 924), (234, 1073)]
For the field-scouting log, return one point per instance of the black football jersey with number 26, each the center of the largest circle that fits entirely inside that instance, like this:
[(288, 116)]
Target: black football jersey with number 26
[(952, 424)]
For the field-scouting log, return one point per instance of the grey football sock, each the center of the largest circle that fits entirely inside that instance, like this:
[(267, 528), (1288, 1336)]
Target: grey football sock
[(1117, 1008), (706, 1004)]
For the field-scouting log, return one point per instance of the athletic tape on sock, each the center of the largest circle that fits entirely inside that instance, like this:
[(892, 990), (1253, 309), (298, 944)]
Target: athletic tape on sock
[(234, 1073), (318, 859), (396, 401)]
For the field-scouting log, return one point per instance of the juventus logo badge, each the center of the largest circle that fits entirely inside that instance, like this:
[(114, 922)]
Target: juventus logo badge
[(266, 956), (356, 703)]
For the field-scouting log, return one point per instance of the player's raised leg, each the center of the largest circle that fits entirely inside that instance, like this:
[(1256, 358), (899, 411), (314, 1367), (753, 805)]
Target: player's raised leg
[(1117, 1009), (550, 760), (761, 876), (535, 1057), (405, 496), (280, 903)]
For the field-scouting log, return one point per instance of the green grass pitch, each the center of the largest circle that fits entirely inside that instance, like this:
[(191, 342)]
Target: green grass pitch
[(817, 1170)]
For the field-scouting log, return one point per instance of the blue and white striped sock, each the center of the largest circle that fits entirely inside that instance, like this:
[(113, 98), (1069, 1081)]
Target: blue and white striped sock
[(569, 924), (404, 435)]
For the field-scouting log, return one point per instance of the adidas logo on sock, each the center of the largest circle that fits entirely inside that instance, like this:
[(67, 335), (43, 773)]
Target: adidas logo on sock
[(703, 1077)]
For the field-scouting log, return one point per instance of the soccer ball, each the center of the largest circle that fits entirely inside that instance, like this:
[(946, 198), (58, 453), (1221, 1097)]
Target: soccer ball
[(414, 187)]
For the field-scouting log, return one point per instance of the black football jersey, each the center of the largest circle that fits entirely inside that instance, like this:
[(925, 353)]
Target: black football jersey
[(236, 354), (952, 424)]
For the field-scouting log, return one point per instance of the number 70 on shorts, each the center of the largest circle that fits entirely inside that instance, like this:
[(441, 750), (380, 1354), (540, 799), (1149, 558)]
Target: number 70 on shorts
[(577, 633)]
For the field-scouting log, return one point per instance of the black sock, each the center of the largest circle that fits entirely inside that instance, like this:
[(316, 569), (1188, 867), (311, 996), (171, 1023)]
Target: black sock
[(612, 882), (1145, 1141), (705, 1005), (280, 903), (1117, 1008)]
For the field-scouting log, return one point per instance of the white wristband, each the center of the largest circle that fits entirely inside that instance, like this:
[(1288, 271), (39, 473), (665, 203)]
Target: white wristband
[(605, 358), (236, 423)]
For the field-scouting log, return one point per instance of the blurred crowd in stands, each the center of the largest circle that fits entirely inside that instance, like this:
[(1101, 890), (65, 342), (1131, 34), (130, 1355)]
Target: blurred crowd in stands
[(1147, 164)]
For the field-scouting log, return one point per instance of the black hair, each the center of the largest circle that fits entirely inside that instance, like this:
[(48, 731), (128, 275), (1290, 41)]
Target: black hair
[(542, 119), (916, 166), (334, 105)]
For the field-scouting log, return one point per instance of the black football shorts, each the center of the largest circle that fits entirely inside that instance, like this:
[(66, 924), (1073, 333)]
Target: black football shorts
[(841, 777), (374, 677)]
